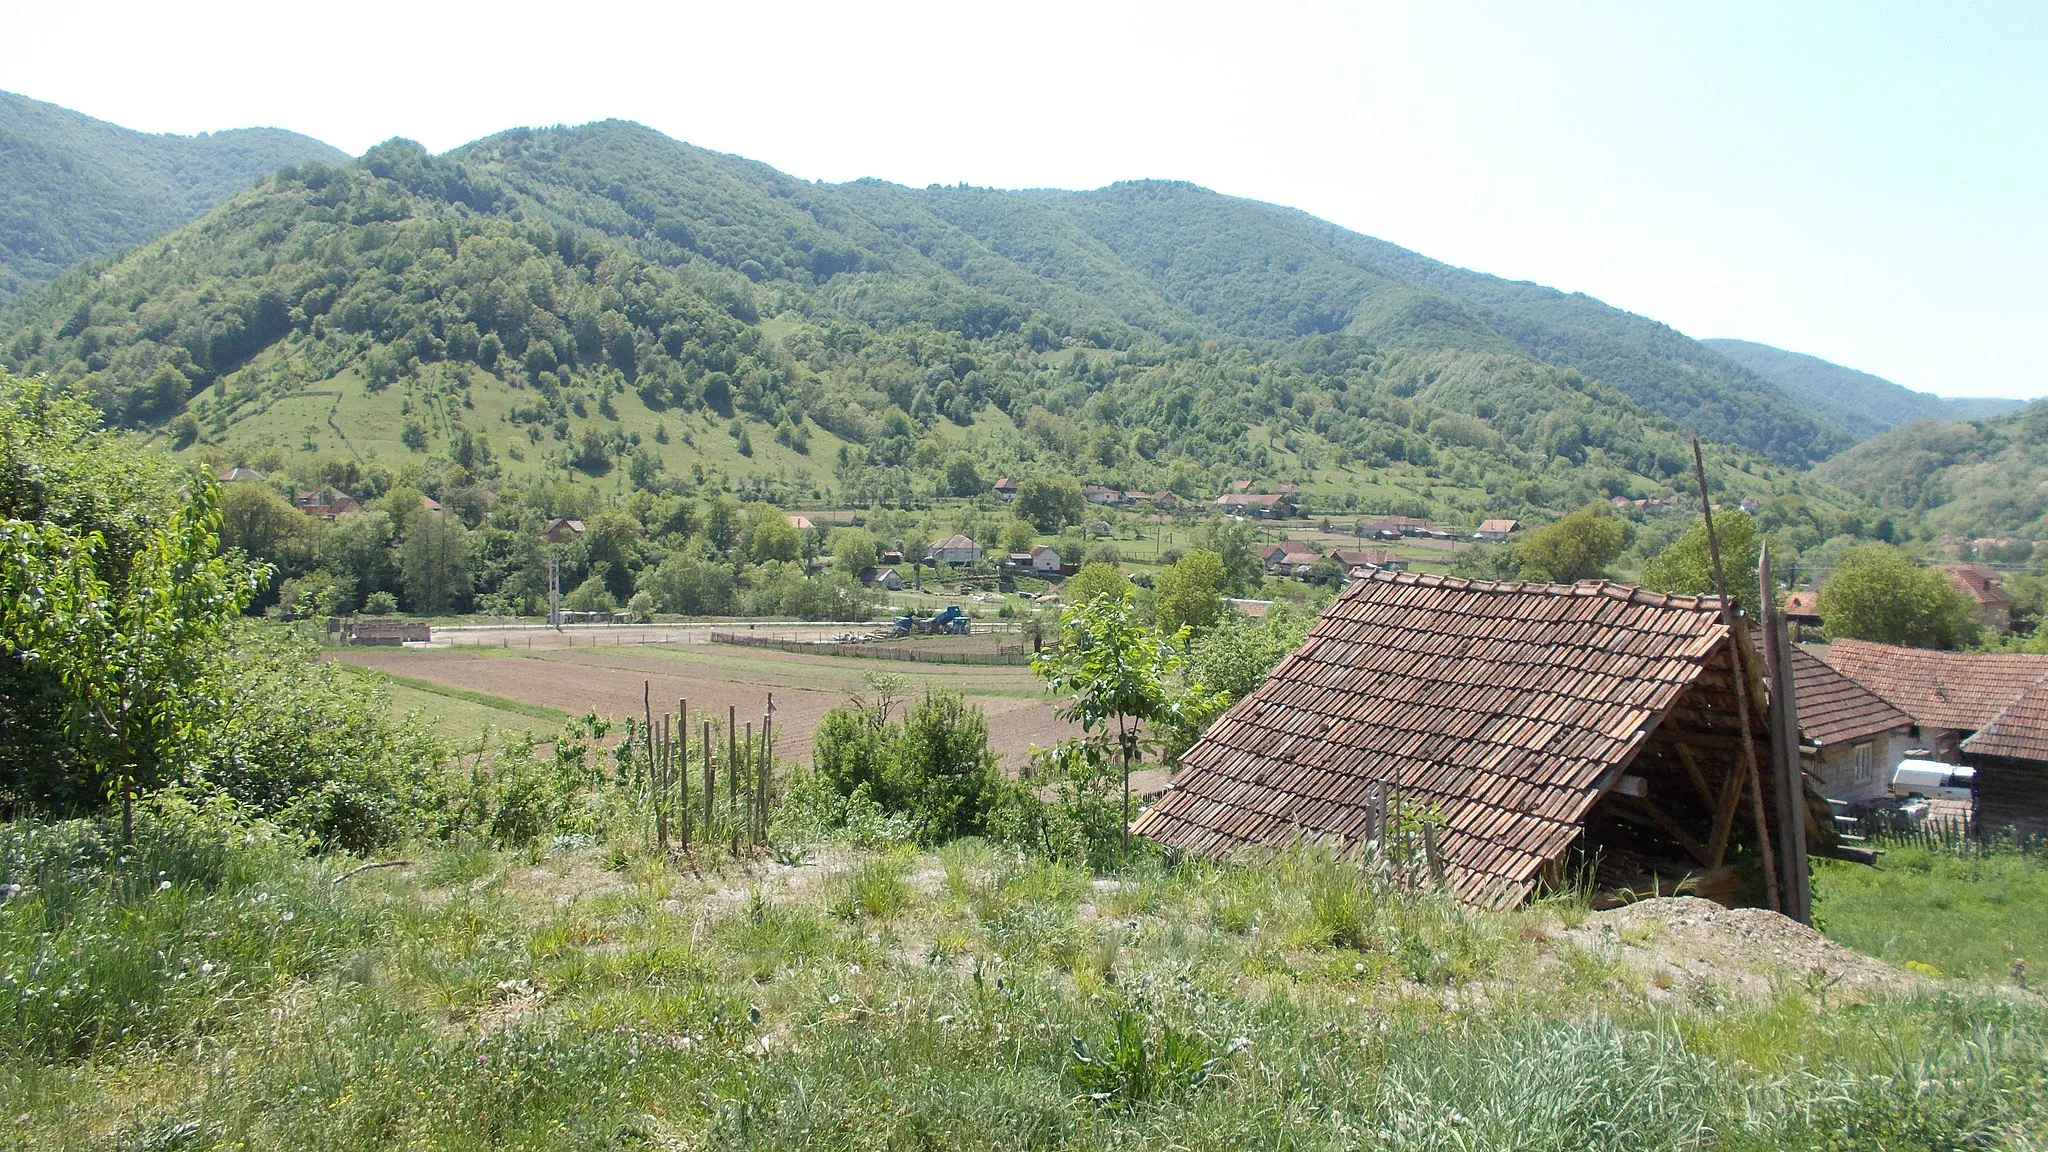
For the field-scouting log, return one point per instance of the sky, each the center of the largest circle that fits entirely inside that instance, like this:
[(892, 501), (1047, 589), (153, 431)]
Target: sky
[(1864, 182)]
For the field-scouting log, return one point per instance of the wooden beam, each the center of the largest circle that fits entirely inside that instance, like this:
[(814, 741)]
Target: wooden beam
[(1653, 815), (1698, 778)]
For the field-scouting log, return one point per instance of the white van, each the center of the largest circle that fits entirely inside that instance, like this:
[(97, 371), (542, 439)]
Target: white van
[(1933, 780)]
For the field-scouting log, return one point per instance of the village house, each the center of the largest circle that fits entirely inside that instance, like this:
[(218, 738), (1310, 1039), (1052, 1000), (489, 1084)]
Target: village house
[(1986, 589), (1284, 558), (799, 522), (1006, 488), (955, 551), (1496, 531), (892, 556), (1395, 527), (1262, 505), (1354, 558), (1948, 695), (561, 530), (2010, 755), (1850, 739), (1550, 727), (1098, 494), (1046, 560), (1802, 612), (887, 579), (242, 475), (326, 502)]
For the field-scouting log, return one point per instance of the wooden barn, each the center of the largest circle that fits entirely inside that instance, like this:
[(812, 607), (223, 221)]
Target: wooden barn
[(2010, 755), (1546, 725)]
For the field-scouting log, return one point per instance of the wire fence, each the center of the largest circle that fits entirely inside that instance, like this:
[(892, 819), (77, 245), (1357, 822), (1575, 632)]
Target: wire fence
[(1003, 655)]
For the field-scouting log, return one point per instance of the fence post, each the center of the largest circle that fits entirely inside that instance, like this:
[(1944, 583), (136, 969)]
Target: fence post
[(767, 763), (710, 787), (732, 773), (683, 769)]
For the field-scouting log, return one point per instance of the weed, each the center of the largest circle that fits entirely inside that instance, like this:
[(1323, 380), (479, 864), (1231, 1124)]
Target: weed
[(1131, 1066)]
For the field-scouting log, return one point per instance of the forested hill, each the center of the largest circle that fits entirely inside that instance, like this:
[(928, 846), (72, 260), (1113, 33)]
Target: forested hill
[(72, 188), (604, 304), (1972, 478), (1863, 404), (1166, 259)]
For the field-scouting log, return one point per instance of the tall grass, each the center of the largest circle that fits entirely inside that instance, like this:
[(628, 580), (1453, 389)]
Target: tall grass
[(1973, 909), (105, 942), (482, 1001)]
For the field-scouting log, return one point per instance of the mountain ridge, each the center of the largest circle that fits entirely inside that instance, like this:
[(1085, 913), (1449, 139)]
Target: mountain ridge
[(1863, 403), (74, 188)]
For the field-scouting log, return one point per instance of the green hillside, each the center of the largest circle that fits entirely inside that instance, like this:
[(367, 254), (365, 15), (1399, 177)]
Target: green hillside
[(72, 188), (1167, 260), (605, 303), (1970, 478), (1858, 402)]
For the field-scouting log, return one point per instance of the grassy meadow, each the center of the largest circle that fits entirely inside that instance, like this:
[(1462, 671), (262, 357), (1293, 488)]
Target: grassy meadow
[(200, 991)]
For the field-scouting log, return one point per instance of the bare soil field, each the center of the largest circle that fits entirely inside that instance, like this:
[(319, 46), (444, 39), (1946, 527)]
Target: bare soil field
[(610, 681)]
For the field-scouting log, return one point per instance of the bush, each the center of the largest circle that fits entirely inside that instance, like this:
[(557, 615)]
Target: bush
[(380, 604), (934, 768)]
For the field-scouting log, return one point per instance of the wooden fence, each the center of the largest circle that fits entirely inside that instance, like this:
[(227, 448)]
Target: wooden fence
[(875, 651), (677, 774)]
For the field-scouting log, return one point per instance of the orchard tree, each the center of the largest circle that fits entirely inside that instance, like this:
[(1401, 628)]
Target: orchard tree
[(854, 550), (130, 650), (1876, 593), (1685, 564), (1576, 547), (1050, 503), (1188, 592), (1120, 679)]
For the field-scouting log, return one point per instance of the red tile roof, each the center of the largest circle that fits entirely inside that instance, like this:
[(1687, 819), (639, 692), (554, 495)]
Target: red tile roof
[(1980, 584), (1959, 690), (1834, 709), (2019, 732), (1803, 605), (1508, 708)]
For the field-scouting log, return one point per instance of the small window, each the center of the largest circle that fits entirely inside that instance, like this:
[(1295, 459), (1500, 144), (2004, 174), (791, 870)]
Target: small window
[(1863, 761)]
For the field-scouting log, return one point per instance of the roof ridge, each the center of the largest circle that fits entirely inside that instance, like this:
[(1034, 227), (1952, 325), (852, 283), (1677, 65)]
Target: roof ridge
[(1632, 593)]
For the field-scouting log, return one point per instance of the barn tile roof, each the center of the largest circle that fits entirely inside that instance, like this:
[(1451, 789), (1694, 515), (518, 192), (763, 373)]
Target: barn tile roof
[(1958, 690), (2019, 731), (1833, 709), (1506, 707)]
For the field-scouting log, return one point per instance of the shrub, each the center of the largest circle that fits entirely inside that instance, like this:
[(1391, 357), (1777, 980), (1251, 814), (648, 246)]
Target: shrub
[(935, 768), (380, 604)]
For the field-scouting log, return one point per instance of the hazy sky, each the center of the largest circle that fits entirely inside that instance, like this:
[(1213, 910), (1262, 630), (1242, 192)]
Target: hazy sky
[(1864, 182)]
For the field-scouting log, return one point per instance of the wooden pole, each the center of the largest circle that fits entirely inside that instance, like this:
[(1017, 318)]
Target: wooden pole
[(683, 769), (1738, 639), (767, 764), (1788, 782), (732, 773), (710, 786), (653, 776)]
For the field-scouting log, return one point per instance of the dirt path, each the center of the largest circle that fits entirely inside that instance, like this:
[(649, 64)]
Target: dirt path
[(611, 682)]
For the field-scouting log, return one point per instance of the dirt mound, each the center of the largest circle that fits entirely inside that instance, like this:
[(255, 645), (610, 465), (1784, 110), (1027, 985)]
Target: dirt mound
[(1684, 942)]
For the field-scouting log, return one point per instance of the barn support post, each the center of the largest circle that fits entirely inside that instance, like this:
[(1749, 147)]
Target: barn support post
[(1738, 639), (1787, 784)]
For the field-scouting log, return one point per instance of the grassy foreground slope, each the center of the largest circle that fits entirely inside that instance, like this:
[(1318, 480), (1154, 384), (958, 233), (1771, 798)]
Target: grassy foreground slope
[(968, 998), (73, 188), (1863, 404)]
